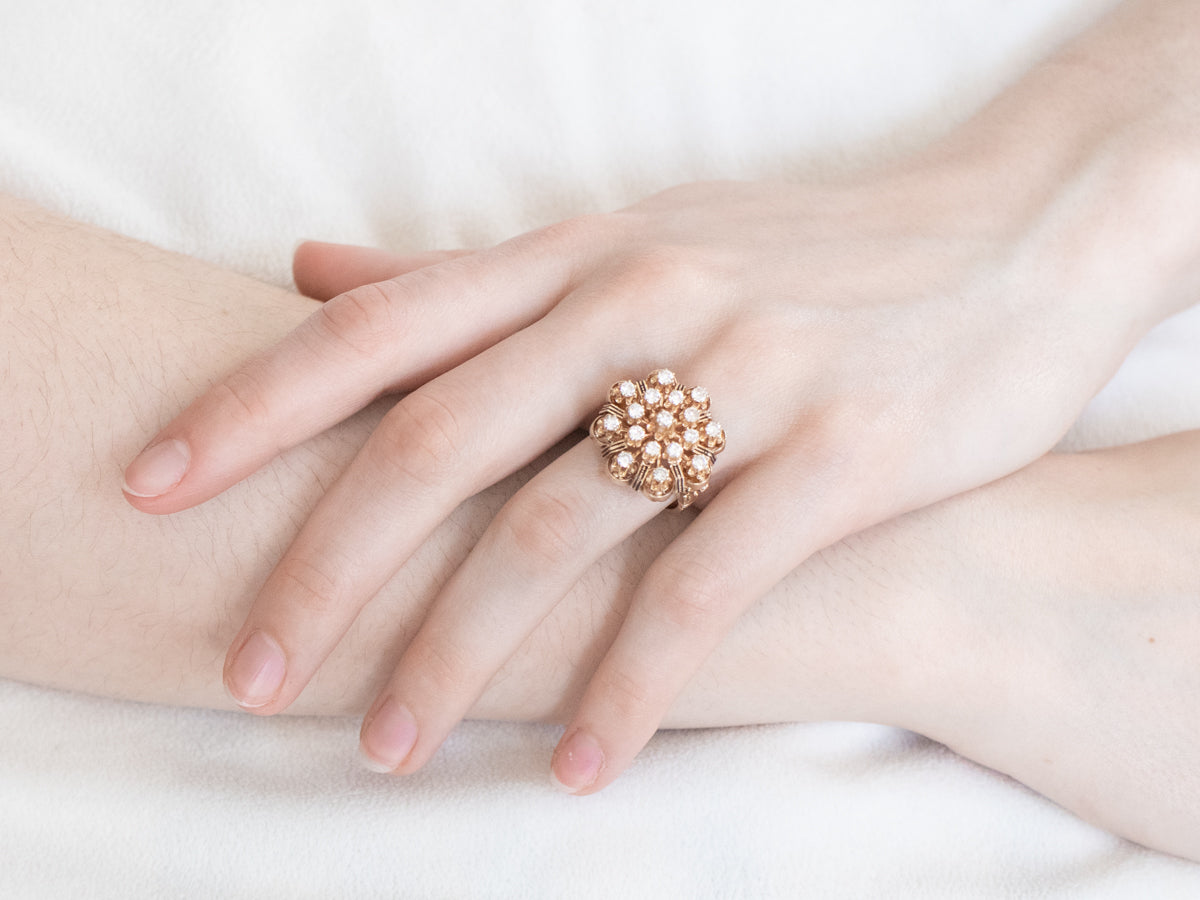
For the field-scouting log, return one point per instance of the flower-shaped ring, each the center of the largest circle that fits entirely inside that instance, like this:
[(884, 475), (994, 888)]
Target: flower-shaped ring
[(659, 437)]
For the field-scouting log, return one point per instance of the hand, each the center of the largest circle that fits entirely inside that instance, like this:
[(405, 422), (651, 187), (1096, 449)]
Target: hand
[(987, 603), (870, 348)]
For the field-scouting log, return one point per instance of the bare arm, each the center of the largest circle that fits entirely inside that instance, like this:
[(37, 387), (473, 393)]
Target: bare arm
[(104, 338), (955, 311), (1025, 624)]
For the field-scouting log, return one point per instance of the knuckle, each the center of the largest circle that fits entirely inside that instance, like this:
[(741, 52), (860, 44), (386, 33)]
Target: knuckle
[(310, 587), (543, 529), (845, 457), (833, 439), (243, 399), (441, 668), (629, 698), (419, 440), (571, 232), (670, 268), (690, 594), (744, 336), (364, 321), (578, 243)]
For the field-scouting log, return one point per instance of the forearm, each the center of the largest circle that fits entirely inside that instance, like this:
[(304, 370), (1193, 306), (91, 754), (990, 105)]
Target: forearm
[(1135, 76), (1007, 622), (1098, 148), (103, 339)]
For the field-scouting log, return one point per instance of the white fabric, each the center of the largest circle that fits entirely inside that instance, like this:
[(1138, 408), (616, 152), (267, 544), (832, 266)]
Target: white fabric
[(229, 130)]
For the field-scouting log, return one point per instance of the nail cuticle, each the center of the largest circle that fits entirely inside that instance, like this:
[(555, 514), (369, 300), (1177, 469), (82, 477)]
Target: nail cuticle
[(159, 468), (388, 736), (257, 672)]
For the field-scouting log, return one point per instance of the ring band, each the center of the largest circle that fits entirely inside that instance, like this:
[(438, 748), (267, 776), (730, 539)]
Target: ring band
[(659, 437)]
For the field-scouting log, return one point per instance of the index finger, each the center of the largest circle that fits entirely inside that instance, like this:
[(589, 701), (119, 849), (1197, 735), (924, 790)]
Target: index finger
[(375, 339)]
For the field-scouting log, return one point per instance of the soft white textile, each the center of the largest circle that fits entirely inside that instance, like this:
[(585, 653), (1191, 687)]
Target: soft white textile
[(229, 130)]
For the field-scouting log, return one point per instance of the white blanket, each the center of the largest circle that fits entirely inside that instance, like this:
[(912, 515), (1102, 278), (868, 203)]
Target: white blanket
[(230, 130)]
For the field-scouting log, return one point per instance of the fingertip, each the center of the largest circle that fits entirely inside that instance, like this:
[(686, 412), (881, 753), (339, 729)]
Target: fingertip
[(323, 270), (310, 261), (372, 764), (577, 763)]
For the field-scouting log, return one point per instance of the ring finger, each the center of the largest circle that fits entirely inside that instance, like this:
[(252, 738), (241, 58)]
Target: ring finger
[(536, 548)]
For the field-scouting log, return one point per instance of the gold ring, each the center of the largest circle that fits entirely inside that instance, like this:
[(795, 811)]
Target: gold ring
[(659, 437)]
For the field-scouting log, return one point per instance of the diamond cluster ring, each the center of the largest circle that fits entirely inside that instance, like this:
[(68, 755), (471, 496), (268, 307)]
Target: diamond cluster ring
[(658, 437)]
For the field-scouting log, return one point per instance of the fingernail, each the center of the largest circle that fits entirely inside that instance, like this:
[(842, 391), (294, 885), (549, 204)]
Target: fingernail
[(157, 469), (257, 672), (388, 737), (577, 763)]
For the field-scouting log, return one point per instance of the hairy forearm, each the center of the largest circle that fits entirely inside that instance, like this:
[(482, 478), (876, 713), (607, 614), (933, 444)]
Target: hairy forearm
[(1006, 622), (104, 339)]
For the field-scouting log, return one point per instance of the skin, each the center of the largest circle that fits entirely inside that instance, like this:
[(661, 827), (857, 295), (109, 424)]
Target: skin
[(1044, 625), (872, 346)]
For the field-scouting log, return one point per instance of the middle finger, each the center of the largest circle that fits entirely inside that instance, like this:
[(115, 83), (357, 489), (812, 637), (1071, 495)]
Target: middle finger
[(540, 543), (441, 444)]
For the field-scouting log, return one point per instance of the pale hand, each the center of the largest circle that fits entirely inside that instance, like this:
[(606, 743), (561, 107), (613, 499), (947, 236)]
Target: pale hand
[(869, 348)]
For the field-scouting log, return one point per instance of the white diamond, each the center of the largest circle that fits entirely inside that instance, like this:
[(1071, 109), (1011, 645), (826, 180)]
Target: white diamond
[(611, 422), (713, 430), (652, 448), (653, 396), (674, 451), (624, 459), (664, 419), (636, 433), (690, 436), (660, 475), (636, 410), (699, 463), (627, 388), (665, 376), (699, 395), (691, 415), (675, 398)]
